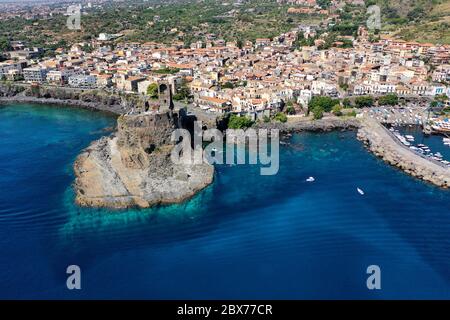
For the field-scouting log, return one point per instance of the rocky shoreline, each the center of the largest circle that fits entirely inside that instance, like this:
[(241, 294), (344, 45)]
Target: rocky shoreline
[(380, 143), (96, 100), (326, 124), (114, 110), (120, 171)]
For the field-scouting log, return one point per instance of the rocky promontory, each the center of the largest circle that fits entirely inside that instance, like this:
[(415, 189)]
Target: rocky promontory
[(133, 168)]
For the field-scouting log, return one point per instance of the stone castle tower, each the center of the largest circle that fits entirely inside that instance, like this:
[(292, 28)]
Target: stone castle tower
[(165, 96)]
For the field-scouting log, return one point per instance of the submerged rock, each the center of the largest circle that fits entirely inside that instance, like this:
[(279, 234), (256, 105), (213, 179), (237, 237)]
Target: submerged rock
[(132, 168)]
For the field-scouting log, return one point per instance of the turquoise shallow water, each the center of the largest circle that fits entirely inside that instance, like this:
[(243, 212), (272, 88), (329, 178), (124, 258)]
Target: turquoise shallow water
[(245, 237)]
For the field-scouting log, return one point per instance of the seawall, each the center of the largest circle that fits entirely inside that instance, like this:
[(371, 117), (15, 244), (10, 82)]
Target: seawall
[(379, 142)]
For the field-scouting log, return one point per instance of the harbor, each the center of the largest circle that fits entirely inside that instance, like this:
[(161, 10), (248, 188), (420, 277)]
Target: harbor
[(395, 149), (433, 147)]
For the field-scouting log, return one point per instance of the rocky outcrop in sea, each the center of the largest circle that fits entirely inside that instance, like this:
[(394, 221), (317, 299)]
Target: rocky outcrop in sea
[(133, 168)]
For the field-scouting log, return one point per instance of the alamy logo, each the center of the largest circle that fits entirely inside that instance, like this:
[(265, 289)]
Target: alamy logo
[(74, 280), (374, 280), (74, 17), (374, 20), (238, 144)]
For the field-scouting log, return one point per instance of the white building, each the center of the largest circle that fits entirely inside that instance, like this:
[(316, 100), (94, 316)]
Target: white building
[(35, 74), (60, 76), (7, 66), (82, 81)]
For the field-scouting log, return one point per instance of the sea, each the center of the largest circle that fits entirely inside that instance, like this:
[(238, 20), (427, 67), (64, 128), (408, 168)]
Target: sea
[(246, 236)]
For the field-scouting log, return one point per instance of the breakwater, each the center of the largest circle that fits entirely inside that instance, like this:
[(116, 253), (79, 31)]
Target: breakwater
[(378, 140)]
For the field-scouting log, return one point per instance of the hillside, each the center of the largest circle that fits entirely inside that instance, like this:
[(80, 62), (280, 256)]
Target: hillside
[(416, 20)]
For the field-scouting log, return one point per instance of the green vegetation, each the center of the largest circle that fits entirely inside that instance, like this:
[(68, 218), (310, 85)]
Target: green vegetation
[(441, 98), (228, 85), (388, 100), (152, 91), (237, 122), (347, 103), (352, 114), (416, 20), (163, 22), (325, 103), (290, 110), (317, 112), (5, 44), (183, 93), (364, 101), (281, 117), (166, 71), (232, 85), (337, 110)]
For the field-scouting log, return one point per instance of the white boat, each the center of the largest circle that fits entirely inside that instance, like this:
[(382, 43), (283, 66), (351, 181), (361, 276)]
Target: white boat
[(360, 191), (409, 138), (310, 179)]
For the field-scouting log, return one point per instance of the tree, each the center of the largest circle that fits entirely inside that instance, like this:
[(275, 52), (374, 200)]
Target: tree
[(388, 100), (152, 91), (441, 98), (228, 85), (347, 103), (183, 92), (281, 117), (364, 101), (317, 112), (324, 4), (343, 86), (5, 45), (337, 110), (326, 103), (237, 122), (167, 71), (290, 110)]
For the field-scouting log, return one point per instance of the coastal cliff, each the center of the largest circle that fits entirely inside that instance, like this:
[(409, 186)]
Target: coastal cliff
[(380, 143), (132, 168)]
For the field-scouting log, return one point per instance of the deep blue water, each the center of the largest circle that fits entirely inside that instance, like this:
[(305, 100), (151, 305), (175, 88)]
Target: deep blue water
[(245, 237)]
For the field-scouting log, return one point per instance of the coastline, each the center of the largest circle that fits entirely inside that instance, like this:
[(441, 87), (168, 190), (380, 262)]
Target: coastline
[(382, 145), (92, 106), (369, 132), (326, 124)]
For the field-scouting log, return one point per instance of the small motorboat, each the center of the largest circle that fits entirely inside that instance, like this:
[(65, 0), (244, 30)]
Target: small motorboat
[(361, 192), (310, 179)]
